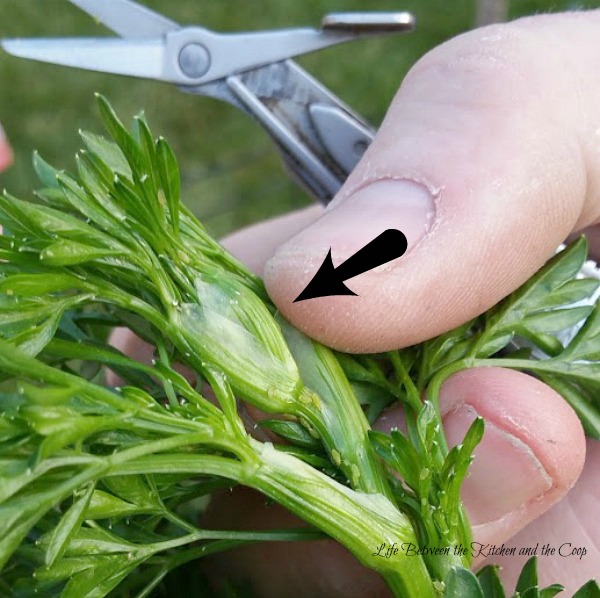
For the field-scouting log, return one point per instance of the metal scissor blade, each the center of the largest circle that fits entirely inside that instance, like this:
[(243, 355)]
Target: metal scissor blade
[(139, 58), (127, 18)]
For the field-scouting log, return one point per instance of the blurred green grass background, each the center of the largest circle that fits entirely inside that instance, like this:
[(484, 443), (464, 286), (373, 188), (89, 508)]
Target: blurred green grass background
[(231, 173)]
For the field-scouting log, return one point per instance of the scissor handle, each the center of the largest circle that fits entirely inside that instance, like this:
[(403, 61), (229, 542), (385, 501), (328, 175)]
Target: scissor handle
[(319, 137)]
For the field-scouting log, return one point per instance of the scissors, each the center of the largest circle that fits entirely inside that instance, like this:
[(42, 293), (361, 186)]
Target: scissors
[(319, 137)]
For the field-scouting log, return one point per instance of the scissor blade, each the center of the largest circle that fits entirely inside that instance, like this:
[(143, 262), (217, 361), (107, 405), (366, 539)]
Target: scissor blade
[(127, 18), (136, 58)]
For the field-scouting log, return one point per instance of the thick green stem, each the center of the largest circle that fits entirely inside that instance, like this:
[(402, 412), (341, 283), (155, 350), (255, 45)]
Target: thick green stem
[(338, 419), (361, 522)]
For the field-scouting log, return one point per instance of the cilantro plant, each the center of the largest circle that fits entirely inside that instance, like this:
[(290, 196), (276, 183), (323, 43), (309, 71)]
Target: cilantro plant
[(99, 487)]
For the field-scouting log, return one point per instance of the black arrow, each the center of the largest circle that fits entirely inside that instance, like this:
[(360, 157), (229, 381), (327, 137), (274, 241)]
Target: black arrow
[(388, 246)]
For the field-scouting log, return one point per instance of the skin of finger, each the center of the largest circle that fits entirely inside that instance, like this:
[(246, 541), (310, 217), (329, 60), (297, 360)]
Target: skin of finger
[(572, 523), (515, 404), (320, 569), (255, 244), (538, 426), (6, 155), (501, 125)]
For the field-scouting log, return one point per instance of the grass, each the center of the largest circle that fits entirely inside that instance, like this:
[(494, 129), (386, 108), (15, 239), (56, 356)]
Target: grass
[(231, 173)]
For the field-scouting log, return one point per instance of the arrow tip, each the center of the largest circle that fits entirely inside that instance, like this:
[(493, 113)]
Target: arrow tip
[(324, 283)]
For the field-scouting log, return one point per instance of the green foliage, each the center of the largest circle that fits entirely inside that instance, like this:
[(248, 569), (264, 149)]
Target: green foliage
[(553, 300), (101, 489), (90, 473), (432, 477), (461, 583)]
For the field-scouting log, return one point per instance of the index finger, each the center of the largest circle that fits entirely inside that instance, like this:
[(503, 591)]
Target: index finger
[(6, 155)]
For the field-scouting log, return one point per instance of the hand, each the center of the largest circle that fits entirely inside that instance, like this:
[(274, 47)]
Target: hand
[(488, 158), (5, 151), (531, 455)]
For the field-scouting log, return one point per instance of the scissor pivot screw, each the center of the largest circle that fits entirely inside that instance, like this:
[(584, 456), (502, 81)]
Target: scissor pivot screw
[(194, 60)]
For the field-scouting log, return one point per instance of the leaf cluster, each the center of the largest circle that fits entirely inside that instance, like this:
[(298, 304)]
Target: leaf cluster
[(430, 478), (113, 246), (101, 488), (549, 327)]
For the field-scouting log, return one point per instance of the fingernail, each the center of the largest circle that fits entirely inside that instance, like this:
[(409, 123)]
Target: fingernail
[(401, 204), (505, 474)]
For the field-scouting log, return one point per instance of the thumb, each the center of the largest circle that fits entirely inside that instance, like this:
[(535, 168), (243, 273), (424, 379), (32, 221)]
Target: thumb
[(486, 161)]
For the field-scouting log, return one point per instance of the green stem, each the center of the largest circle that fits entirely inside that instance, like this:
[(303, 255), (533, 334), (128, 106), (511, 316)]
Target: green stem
[(168, 386), (338, 419), (361, 522), (464, 534), (433, 392), (413, 397)]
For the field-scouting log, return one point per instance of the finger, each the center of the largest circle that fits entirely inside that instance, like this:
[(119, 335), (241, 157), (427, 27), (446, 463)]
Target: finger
[(5, 151), (319, 568), (531, 454), (487, 159), (255, 244), (568, 529)]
